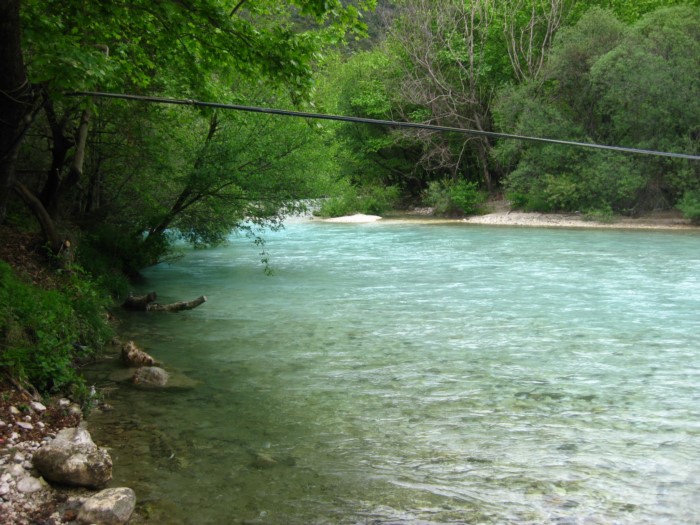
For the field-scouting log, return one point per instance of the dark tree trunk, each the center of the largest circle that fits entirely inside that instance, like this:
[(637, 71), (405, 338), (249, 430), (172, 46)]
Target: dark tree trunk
[(17, 99)]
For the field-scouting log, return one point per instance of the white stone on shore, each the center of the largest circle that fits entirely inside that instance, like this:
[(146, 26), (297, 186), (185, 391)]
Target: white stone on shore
[(74, 459), (357, 218), (14, 411), (4, 488), (37, 407), (25, 425), (108, 507), (28, 485)]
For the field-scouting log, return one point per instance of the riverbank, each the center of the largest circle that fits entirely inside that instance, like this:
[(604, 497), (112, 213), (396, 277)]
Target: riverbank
[(499, 213)]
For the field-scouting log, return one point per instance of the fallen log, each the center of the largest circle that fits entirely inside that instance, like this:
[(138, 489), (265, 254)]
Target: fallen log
[(178, 306), (139, 302), (146, 303)]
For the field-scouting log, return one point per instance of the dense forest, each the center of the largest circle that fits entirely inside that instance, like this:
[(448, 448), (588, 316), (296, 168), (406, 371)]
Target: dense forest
[(111, 185)]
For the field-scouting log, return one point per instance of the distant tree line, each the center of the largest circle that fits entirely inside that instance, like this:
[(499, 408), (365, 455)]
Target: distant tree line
[(611, 72)]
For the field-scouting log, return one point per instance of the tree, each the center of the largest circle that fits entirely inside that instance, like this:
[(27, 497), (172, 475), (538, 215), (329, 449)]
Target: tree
[(609, 84), (190, 49)]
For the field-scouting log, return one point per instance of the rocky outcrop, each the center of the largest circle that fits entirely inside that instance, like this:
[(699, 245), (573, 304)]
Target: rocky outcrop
[(108, 507), (72, 458), (133, 356)]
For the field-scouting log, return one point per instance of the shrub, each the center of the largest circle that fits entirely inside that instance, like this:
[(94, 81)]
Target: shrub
[(45, 333), (690, 205), (448, 197), (370, 200)]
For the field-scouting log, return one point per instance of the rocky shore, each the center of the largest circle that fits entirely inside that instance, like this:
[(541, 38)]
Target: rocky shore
[(51, 473)]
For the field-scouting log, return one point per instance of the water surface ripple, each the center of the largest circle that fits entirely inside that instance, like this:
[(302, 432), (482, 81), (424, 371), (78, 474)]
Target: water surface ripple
[(421, 374)]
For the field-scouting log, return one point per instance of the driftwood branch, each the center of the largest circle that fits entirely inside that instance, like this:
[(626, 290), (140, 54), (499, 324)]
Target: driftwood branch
[(146, 303), (178, 306)]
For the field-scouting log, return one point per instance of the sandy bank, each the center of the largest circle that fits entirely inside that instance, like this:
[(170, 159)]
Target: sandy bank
[(501, 215), (664, 221)]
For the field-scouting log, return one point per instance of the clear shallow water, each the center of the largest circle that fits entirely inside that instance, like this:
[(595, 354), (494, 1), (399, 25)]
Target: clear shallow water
[(421, 374)]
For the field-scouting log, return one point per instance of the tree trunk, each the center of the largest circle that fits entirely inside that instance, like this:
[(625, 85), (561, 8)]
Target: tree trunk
[(56, 243), (146, 303), (16, 98)]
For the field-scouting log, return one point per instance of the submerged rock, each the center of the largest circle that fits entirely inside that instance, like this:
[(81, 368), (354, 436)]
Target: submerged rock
[(145, 377), (72, 458), (150, 376)]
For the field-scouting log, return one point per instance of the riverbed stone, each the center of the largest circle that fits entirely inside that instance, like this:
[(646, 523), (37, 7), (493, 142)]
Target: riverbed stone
[(109, 507), (72, 458)]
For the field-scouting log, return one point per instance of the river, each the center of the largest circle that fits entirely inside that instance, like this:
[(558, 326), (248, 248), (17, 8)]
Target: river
[(394, 373)]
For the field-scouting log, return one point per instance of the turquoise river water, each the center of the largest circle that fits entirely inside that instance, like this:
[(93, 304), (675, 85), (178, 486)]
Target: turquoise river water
[(398, 373)]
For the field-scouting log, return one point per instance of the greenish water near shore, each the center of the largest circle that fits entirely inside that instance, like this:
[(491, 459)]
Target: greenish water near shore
[(420, 374)]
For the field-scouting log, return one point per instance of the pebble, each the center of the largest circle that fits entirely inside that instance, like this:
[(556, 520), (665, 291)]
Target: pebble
[(28, 485), (18, 457), (63, 402), (14, 411), (37, 407), (4, 488), (2, 423), (25, 425)]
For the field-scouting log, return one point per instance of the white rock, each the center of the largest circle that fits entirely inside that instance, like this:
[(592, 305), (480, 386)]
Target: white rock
[(108, 507), (2, 423), (4, 489), (63, 403), (14, 411), (16, 471), (28, 485), (25, 425), (18, 457), (41, 424), (37, 407)]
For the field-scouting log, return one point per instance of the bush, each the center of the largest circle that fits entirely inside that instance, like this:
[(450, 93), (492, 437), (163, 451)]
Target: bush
[(690, 205), (45, 333), (448, 197), (371, 200)]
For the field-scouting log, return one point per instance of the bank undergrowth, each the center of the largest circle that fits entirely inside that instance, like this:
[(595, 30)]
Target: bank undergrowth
[(48, 330)]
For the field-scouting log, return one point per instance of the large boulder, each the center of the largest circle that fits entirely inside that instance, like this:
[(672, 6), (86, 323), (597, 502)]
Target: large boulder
[(108, 507), (72, 458)]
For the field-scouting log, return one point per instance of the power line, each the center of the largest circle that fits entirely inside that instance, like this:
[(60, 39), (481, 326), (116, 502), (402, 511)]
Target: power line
[(391, 123)]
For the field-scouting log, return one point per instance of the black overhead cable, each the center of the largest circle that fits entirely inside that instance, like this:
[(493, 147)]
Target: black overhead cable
[(360, 120)]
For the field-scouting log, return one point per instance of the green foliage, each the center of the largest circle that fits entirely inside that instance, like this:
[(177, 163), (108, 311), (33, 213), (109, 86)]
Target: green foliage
[(608, 84), (44, 333), (449, 197), (690, 205), (370, 200)]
